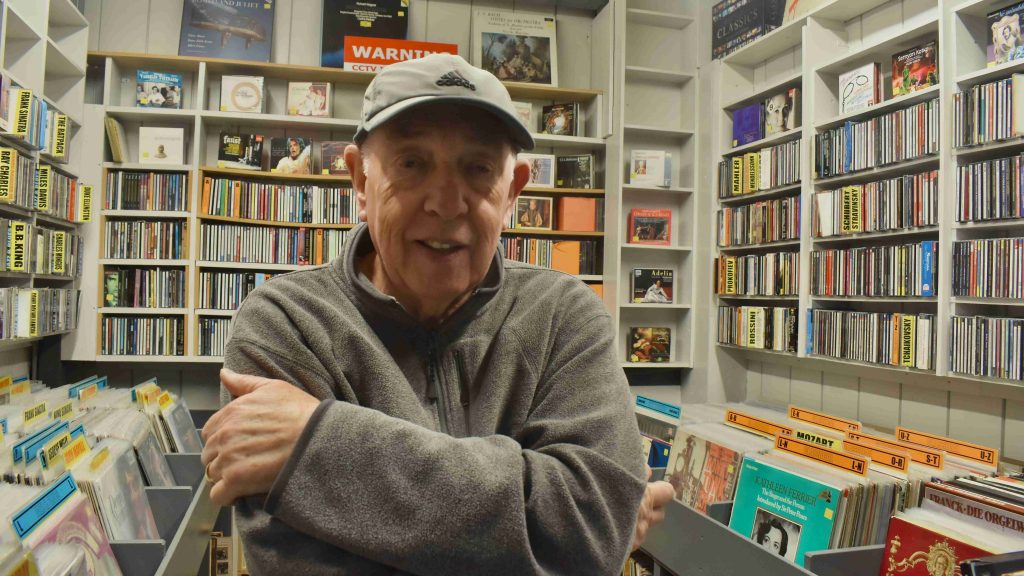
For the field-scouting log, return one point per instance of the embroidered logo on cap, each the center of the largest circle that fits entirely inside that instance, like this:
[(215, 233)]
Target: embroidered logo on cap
[(453, 78)]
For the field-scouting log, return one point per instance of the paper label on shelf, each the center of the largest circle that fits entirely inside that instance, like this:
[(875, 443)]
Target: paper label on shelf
[(23, 112), (19, 236), (75, 451), (5, 385), (973, 452), (920, 455), (63, 411), (756, 425), (86, 203), (908, 339), (834, 458), (53, 449), (165, 401), (60, 135), (59, 243), (850, 222), (20, 388), (44, 505), (898, 460), (816, 438), (34, 414), (43, 187), (8, 173), (824, 420), (33, 314), (88, 392)]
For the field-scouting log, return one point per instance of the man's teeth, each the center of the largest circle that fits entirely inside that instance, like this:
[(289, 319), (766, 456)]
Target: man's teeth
[(439, 245)]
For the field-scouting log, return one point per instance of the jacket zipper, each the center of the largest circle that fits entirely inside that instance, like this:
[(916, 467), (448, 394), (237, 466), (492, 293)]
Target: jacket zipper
[(433, 375)]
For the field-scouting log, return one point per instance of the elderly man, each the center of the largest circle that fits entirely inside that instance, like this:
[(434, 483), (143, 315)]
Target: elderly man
[(420, 405)]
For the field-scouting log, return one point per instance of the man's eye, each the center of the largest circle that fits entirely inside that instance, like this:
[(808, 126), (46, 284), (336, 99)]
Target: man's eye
[(410, 163)]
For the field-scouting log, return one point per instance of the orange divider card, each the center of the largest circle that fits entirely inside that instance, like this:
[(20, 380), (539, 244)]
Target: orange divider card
[(822, 419), (973, 452), (5, 384), (918, 454), (758, 426), (888, 457), (834, 458)]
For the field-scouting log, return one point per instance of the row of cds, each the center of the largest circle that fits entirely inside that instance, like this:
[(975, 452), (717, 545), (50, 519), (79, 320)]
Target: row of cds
[(990, 190), (901, 270), (62, 196), (226, 290), (894, 137), (213, 335), (988, 268), (891, 339), (153, 191), (271, 201), (772, 274), (760, 222), (144, 287), (142, 335), (18, 173), (759, 327), (897, 203), (990, 347), (269, 245), (31, 312), (768, 168), (569, 256), (34, 249), (145, 239), (984, 113)]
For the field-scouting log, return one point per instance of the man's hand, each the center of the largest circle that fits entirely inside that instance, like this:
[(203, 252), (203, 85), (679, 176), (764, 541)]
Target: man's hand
[(652, 509), (249, 441)]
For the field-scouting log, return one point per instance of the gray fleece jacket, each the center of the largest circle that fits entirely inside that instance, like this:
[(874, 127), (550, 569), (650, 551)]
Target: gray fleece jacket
[(502, 442)]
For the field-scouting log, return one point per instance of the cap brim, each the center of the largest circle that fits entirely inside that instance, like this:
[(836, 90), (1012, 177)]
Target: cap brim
[(520, 135)]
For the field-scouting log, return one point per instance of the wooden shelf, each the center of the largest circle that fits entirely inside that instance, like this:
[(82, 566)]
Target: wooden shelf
[(788, 190), (141, 262), (218, 313), (54, 277), (990, 150), (901, 233), (551, 233), (139, 311), (1004, 70), (763, 246), (650, 306), (881, 299), (565, 191), (757, 350), (149, 114), (590, 277), (64, 14), (19, 275), (234, 220), (1008, 224), (768, 298), (147, 167), (656, 247), (904, 369), (637, 129), (658, 365), (880, 108), (914, 166), (988, 301), (641, 73), (573, 142), (657, 189), (777, 138), (140, 214), (16, 209), (218, 118), (882, 48), (59, 64), (256, 266), (55, 221), (264, 175)]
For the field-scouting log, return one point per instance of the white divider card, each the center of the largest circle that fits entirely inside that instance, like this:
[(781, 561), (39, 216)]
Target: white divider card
[(44, 505), (758, 426), (988, 457), (657, 419), (833, 458)]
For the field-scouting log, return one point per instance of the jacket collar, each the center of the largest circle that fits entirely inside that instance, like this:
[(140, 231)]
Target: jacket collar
[(377, 307)]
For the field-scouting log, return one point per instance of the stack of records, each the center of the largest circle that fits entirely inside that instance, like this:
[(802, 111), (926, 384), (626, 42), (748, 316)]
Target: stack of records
[(133, 426), (110, 476)]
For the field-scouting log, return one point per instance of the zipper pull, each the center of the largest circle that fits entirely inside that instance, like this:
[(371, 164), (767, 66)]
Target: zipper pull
[(460, 364)]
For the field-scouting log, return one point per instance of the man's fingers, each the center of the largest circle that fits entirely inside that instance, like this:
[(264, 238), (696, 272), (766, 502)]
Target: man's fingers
[(241, 384), (661, 493), (649, 471), (221, 495)]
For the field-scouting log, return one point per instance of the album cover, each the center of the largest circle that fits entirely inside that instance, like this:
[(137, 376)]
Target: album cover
[(182, 428), (915, 69), (241, 94), (240, 151), (1005, 43), (859, 88), (227, 29), (364, 18), (525, 112), (542, 169), (309, 99), (290, 155), (650, 226), (747, 124), (560, 119), (161, 145), (157, 89), (650, 168), (516, 46), (533, 212), (782, 112), (652, 285), (575, 171), (331, 157), (650, 344)]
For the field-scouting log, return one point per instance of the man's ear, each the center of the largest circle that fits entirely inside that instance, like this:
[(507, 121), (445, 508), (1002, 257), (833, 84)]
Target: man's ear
[(520, 178), (354, 163)]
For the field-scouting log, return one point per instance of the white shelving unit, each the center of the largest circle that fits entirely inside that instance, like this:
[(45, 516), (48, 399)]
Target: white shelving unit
[(656, 75)]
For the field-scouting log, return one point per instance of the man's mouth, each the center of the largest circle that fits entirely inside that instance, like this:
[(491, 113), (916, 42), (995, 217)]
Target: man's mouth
[(436, 245)]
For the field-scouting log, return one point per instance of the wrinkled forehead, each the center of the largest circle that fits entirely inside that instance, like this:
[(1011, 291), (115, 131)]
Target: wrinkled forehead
[(446, 122)]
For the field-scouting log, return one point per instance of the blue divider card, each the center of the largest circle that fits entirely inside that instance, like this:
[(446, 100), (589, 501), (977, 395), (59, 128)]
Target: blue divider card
[(44, 505), (19, 447), (663, 407), (3, 424), (32, 448), (101, 382)]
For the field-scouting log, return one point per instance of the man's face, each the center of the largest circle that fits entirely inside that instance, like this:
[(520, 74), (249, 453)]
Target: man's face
[(293, 149), (439, 185)]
